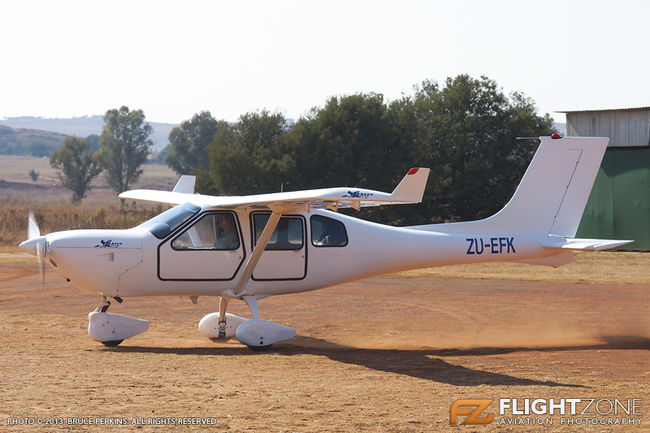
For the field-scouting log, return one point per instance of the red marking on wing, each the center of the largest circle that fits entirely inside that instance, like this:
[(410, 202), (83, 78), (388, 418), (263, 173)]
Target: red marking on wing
[(413, 171)]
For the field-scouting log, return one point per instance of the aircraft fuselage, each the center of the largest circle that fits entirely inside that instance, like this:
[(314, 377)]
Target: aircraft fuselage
[(135, 262)]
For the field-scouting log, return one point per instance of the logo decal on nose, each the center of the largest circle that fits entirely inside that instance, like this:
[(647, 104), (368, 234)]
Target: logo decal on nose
[(108, 244)]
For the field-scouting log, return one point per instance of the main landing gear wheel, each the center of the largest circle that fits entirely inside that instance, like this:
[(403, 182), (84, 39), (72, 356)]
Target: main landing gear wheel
[(113, 343), (260, 348), (255, 333), (260, 334)]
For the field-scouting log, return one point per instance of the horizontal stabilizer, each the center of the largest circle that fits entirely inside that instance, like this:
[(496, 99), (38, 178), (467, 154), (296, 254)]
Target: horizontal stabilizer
[(410, 190), (587, 244)]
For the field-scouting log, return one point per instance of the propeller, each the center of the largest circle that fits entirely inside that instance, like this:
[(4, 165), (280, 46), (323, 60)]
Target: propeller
[(35, 244), (32, 227)]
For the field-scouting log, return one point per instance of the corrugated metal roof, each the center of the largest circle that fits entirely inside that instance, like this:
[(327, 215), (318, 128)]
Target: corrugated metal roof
[(605, 109)]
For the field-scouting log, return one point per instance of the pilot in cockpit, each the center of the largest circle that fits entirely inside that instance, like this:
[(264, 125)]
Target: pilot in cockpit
[(227, 238)]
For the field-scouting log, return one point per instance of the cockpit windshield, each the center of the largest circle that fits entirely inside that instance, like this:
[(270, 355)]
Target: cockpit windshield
[(165, 223)]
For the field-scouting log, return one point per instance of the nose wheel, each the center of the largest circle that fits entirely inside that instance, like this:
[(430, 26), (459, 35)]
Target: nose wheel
[(102, 308), (112, 329)]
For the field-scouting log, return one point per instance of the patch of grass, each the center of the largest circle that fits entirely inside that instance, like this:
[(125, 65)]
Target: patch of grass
[(590, 267)]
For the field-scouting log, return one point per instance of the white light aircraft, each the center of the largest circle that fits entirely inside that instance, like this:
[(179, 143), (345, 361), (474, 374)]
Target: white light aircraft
[(252, 247)]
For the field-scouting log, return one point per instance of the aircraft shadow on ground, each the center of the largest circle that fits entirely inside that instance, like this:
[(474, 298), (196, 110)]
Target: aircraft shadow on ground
[(422, 364)]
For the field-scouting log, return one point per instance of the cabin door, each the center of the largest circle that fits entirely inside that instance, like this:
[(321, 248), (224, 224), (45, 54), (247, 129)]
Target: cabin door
[(285, 256)]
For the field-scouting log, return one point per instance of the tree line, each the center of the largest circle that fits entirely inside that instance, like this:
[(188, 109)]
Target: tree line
[(465, 130)]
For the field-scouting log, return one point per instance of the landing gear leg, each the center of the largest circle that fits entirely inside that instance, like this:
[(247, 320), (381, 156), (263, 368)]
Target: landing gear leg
[(252, 304), (223, 304), (255, 312), (103, 306), (220, 326)]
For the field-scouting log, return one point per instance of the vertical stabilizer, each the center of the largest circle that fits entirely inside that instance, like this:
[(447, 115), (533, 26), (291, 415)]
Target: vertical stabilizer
[(551, 196), (554, 190), (185, 184)]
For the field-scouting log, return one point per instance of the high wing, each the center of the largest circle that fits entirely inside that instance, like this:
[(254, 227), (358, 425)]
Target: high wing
[(409, 190)]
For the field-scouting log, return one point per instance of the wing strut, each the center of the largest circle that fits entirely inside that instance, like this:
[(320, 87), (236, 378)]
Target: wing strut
[(250, 265)]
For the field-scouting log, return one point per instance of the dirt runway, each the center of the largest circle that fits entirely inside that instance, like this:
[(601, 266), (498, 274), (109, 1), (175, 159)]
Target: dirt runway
[(387, 354)]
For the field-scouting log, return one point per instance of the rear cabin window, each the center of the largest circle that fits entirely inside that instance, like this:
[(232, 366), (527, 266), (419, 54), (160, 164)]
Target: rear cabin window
[(288, 234), (327, 232)]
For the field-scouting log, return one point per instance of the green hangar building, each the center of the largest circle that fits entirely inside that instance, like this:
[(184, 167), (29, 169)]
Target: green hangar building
[(619, 204)]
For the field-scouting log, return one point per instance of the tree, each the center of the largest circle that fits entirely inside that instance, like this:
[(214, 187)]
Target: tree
[(33, 174), (188, 144), (349, 142), (467, 132), (93, 139), (247, 157), (124, 146), (77, 166)]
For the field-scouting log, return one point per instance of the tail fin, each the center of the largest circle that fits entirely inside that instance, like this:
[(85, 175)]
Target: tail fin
[(551, 196), (185, 184), (554, 190), (412, 185)]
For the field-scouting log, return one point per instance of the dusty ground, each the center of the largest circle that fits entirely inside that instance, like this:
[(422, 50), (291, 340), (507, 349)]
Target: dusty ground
[(385, 354)]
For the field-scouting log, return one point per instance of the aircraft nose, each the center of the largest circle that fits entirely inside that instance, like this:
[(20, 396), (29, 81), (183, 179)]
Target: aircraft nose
[(35, 246)]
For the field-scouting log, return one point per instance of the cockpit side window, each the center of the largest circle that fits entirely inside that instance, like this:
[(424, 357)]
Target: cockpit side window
[(327, 232), (165, 223), (213, 231)]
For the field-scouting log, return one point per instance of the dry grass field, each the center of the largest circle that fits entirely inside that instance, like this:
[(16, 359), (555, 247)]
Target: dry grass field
[(51, 202), (16, 169), (17, 187)]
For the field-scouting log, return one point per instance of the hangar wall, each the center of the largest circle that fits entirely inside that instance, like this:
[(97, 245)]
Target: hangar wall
[(619, 204), (625, 127)]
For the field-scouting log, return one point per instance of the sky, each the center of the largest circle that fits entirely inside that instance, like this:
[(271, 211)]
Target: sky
[(173, 59)]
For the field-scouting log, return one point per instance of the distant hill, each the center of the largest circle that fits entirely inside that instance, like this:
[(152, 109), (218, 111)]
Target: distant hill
[(83, 127), (32, 142)]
